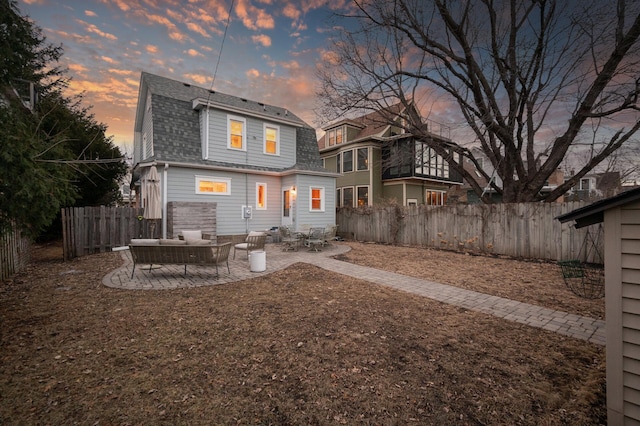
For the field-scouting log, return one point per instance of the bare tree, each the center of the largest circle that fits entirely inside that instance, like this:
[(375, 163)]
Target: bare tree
[(529, 77)]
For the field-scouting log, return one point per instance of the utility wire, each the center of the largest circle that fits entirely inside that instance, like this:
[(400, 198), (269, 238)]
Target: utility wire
[(224, 36)]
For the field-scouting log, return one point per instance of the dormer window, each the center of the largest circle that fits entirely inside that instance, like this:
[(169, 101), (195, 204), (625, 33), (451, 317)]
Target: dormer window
[(335, 136), (236, 126)]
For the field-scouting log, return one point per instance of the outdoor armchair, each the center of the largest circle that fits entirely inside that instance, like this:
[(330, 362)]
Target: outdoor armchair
[(290, 240), (315, 238), (254, 241)]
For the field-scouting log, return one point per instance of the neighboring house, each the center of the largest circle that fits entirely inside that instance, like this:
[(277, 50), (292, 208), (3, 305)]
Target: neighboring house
[(255, 165), (595, 186), (465, 194), (621, 217), (378, 161)]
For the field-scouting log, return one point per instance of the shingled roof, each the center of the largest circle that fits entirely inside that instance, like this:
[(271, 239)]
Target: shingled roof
[(176, 125)]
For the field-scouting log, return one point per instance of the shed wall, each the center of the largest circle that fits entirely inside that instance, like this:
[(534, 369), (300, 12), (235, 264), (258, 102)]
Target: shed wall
[(622, 262)]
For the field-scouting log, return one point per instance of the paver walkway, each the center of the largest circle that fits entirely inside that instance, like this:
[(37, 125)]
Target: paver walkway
[(172, 276)]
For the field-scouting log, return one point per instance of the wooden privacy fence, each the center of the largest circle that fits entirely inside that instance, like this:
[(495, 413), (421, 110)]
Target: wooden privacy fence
[(527, 230), (15, 253), (88, 230)]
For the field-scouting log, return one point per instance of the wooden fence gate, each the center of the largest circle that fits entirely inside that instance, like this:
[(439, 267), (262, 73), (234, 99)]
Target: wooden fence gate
[(15, 253), (88, 230)]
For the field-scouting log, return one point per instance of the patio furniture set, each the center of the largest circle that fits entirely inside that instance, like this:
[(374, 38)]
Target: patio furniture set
[(314, 238), (197, 248)]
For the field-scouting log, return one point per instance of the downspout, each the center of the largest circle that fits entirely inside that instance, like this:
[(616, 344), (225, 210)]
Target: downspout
[(164, 200), (205, 144)]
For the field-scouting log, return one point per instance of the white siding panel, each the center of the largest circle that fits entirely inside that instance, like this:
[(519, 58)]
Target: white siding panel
[(632, 306), (630, 231), (631, 291), (632, 381), (631, 276), (629, 215), (147, 130), (630, 320), (631, 412), (303, 215), (254, 155), (181, 187), (632, 366), (631, 247), (630, 261), (629, 350), (631, 335)]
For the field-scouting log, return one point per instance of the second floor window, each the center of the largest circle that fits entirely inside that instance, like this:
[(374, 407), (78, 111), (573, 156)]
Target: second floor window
[(363, 158), (271, 138), (347, 161), (236, 127)]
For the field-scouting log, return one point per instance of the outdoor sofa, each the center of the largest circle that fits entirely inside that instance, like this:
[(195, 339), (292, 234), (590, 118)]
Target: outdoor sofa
[(179, 252)]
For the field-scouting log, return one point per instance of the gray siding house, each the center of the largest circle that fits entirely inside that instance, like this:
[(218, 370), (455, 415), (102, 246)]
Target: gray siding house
[(254, 166)]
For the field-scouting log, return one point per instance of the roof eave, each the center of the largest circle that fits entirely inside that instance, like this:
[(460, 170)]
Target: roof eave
[(200, 103)]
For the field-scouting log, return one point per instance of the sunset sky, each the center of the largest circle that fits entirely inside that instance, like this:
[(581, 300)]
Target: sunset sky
[(269, 54)]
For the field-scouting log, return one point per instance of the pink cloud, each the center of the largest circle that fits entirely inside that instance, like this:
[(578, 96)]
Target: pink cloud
[(192, 26), (151, 48), (262, 39), (253, 73), (193, 53), (200, 79), (292, 12), (253, 17), (90, 28), (77, 68), (90, 13)]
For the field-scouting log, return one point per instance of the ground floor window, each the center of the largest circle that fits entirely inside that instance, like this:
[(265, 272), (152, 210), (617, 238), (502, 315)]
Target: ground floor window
[(436, 198), (316, 199), (213, 185), (347, 197), (261, 196), (363, 196)]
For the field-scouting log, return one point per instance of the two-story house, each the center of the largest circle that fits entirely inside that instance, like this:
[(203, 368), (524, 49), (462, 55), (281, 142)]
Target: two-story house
[(378, 161), (256, 165)]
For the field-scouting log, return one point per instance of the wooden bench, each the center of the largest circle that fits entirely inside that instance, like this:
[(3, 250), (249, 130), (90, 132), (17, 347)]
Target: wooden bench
[(158, 254)]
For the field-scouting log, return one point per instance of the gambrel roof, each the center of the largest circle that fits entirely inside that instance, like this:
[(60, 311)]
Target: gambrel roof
[(175, 109)]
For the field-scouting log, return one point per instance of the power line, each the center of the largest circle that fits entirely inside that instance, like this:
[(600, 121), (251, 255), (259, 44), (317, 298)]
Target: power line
[(224, 36)]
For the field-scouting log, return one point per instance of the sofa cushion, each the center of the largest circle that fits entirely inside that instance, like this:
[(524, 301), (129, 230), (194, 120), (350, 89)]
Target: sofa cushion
[(169, 242), (256, 233), (144, 242), (192, 235), (198, 242)]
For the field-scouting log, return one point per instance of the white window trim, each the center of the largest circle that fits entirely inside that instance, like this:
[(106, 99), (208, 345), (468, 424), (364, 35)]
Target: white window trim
[(258, 185), (357, 150), (355, 193), (322, 199), (244, 132), (342, 160), (353, 196), (264, 142), (200, 178)]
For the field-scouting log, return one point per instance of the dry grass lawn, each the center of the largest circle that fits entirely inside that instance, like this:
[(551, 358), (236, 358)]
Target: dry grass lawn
[(299, 346)]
